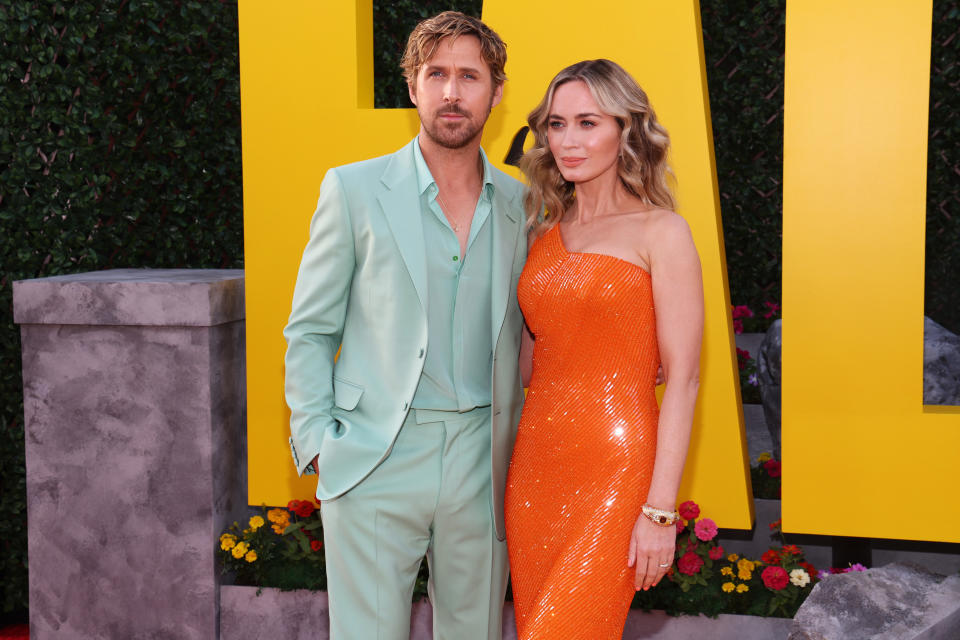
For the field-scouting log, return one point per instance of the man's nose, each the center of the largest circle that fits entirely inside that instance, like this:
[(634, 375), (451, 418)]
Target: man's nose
[(451, 90)]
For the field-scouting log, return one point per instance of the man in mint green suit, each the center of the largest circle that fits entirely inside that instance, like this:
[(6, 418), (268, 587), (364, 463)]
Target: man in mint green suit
[(412, 266)]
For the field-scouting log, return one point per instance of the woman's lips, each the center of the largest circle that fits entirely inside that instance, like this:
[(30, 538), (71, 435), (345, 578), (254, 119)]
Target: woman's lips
[(571, 161)]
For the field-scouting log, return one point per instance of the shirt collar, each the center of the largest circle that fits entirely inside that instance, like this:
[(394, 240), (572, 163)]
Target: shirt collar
[(425, 178)]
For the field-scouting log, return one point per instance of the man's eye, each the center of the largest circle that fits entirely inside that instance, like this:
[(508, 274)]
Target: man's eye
[(469, 76), (436, 74)]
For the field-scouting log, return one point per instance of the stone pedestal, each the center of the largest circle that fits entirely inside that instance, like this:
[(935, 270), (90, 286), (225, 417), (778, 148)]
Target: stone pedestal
[(134, 398)]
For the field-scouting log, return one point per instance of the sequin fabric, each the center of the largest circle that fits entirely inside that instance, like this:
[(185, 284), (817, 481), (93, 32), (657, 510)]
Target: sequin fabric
[(586, 443)]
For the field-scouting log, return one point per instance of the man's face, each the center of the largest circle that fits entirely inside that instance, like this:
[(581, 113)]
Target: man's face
[(454, 93)]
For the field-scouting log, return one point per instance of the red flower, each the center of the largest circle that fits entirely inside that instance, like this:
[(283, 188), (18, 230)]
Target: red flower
[(689, 510), (772, 468), (681, 525), (690, 563), (316, 545), (810, 569), (737, 326), (792, 549), (772, 309), (775, 524), (716, 553), (770, 556), (742, 357), (303, 508), (775, 578)]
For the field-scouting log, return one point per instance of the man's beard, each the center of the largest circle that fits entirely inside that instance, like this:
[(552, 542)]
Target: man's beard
[(457, 136)]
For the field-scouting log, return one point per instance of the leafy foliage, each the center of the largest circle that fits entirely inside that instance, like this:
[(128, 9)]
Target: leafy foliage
[(119, 147), (943, 170)]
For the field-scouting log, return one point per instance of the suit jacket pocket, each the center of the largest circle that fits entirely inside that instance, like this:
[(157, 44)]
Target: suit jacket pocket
[(346, 395)]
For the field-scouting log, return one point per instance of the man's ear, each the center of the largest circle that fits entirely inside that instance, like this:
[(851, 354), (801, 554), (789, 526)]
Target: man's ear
[(497, 95), (412, 90)]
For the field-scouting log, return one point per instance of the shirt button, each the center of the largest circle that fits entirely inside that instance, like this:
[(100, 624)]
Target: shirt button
[(456, 258), (404, 406), (421, 353)]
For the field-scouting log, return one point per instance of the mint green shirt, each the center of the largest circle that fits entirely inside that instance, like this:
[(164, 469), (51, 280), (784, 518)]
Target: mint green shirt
[(459, 361)]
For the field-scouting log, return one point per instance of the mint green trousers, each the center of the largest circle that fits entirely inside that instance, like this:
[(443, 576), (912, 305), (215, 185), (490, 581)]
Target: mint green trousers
[(430, 497)]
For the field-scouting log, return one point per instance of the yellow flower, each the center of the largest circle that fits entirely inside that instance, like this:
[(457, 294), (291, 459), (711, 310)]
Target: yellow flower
[(256, 522), (742, 588), (763, 457), (240, 550), (278, 529), (745, 569), (251, 556), (227, 541), (727, 571), (727, 587), (733, 557), (279, 516)]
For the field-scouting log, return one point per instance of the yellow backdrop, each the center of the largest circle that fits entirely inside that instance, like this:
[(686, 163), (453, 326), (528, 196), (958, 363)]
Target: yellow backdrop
[(307, 96), (862, 455)]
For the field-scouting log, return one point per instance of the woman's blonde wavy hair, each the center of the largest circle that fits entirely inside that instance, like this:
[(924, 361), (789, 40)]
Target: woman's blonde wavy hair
[(642, 166)]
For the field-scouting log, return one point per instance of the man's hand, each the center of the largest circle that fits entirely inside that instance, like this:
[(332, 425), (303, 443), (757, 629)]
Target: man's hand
[(315, 463)]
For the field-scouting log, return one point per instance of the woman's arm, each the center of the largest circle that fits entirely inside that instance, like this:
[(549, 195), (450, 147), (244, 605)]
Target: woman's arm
[(678, 300)]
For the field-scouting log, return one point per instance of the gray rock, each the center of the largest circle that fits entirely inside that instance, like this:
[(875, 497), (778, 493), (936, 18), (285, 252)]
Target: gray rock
[(768, 373), (895, 602), (941, 365)]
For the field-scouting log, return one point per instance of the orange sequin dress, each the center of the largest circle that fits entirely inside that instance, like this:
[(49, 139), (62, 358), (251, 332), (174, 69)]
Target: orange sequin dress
[(586, 443)]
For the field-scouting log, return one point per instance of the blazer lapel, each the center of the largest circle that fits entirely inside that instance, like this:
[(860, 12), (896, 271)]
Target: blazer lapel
[(401, 206), (505, 237)]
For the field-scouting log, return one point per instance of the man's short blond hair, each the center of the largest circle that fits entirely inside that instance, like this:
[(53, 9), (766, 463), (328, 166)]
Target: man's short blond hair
[(426, 36)]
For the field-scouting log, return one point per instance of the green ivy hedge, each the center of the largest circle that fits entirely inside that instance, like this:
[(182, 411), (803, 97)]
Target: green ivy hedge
[(120, 147)]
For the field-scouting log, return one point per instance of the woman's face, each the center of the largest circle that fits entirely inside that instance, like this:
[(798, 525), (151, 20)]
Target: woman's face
[(585, 142)]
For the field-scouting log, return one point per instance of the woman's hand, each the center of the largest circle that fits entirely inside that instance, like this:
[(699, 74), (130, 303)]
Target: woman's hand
[(651, 551)]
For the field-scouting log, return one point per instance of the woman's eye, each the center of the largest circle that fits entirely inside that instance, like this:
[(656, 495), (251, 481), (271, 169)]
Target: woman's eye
[(587, 123), (555, 124)]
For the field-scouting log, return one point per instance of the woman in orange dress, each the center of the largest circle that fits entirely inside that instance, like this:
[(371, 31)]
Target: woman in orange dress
[(610, 292)]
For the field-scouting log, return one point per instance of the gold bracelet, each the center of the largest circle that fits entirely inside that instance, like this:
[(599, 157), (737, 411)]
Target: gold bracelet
[(661, 517)]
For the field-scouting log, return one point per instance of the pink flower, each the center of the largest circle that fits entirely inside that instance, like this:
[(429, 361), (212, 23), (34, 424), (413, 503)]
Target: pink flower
[(716, 553), (772, 309), (689, 510), (742, 311), (822, 574), (855, 567), (772, 468), (681, 525), (775, 578), (690, 563), (706, 529), (737, 326)]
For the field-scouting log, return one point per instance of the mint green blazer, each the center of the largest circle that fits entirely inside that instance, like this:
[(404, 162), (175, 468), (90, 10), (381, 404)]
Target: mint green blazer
[(362, 284)]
